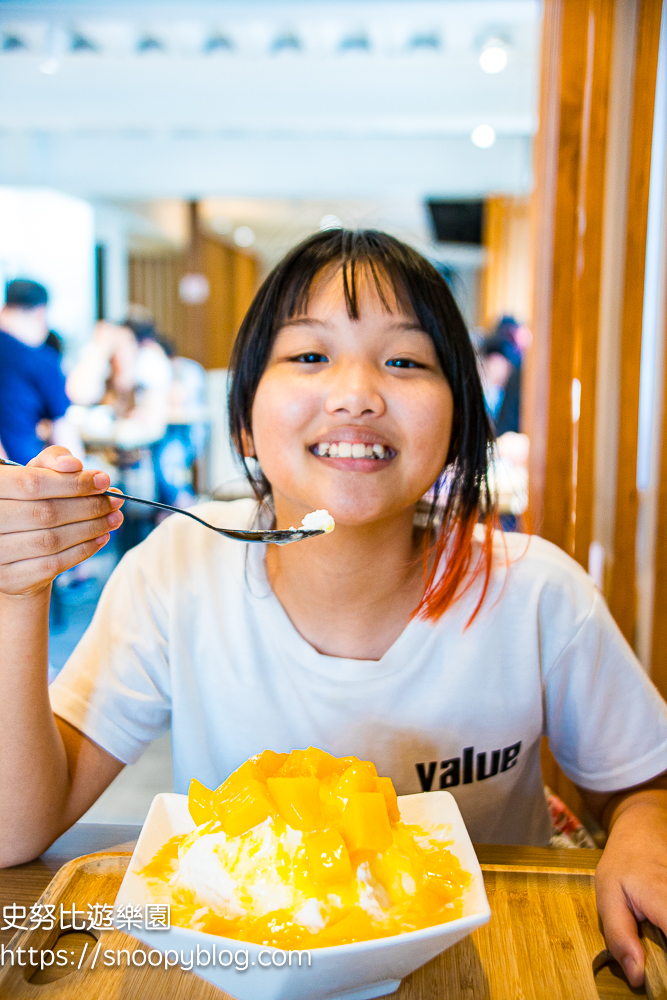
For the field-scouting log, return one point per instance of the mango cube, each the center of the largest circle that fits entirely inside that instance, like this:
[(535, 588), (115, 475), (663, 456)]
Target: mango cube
[(248, 805), (399, 873), (321, 763), (298, 800), (365, 824), (386, 786), (199, 802), (238, 779), (328, 859), (357, 778), (356, 925), (345, 762), (269, 762), (310, 763)]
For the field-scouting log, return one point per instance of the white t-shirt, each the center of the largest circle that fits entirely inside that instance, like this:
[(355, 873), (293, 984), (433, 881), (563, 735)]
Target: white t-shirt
[(189, 632)]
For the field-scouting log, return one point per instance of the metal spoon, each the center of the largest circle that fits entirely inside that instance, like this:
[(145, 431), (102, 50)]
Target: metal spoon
[(281, 536)]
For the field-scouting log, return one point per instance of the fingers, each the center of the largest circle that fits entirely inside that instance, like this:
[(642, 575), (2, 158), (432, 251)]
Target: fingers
[(52, 517), (31, 575), (57, 458), (43, 482), (22, 545), (16, 515), (620, 931)]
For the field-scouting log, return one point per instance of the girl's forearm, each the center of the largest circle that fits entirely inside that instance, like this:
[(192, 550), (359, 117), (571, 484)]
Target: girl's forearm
[(652, 794), (34, 778)]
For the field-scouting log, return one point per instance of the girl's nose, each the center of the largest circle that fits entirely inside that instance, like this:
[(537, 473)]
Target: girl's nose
[(354, 392)]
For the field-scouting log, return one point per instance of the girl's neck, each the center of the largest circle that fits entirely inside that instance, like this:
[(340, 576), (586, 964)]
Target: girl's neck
[(351, 593)]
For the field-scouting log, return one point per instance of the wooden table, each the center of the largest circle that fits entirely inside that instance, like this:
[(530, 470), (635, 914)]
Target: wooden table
[(23, 884)]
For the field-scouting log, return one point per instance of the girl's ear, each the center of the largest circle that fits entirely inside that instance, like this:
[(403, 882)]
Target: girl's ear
[(247, 445)]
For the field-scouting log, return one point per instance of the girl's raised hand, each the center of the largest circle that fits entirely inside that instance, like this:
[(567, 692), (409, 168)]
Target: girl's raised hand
[(52, 517)]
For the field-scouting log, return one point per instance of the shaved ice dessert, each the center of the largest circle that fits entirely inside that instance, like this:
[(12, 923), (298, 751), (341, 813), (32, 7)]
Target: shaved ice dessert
[(305, 850)]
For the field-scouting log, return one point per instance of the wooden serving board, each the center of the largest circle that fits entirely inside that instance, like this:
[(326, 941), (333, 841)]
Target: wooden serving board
[(543, 943)]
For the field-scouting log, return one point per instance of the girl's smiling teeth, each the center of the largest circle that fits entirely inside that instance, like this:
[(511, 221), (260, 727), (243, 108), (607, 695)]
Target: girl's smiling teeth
[(352, 449)]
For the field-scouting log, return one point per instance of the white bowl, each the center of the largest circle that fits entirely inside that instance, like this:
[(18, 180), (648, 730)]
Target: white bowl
[(356, 971)]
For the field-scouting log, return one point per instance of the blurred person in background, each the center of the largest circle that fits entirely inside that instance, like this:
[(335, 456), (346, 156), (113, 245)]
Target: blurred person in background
[(125, 367), (32, 387), (501, 357), (500, 364), (122, 383), (187, 431)]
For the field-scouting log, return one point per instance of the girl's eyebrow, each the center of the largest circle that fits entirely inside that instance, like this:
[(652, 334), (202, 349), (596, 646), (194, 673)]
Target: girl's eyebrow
[(400, 325), (407, 326), (304, 321)]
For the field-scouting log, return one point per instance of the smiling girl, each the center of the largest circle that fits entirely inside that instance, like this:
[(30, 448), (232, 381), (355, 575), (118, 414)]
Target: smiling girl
[(414, 635)]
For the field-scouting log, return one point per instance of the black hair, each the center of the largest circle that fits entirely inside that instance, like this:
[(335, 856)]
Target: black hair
[(499, 345), (461, 496), (143, 330), (55, 341), (24, 294)]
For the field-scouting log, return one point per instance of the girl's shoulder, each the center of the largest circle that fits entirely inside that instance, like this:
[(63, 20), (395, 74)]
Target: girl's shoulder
[(535, 555), (528, 568)]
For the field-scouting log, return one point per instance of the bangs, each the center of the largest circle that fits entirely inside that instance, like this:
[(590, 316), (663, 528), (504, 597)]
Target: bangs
[(355, 268)]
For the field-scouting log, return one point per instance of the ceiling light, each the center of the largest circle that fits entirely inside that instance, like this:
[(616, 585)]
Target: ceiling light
[(194, 289), (424, 42), (483, 136), (149, 44), (49, 67), (355, 43), (330, 222), (79, 43), (244, 236), (286, 43), (218, 43), (12, 43), (493, 58)]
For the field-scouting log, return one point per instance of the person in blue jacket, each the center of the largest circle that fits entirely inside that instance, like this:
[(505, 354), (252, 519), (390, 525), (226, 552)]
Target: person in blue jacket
[(32, 386)]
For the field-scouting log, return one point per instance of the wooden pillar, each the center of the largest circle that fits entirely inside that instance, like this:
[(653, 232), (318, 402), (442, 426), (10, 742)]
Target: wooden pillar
[(570, 167), (559, 403), (622, 595), (245, 284), (659, 636), (508, 275), (195, 339)]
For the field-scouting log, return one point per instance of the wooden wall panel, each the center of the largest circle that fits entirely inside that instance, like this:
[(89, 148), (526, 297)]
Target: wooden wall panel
[(536, 381), (567, 237), (570, 166), (622, 595), (507, 284), (659, 637), (154, 284), (203, 332), (588, 269), (245, 285), (221, 306)]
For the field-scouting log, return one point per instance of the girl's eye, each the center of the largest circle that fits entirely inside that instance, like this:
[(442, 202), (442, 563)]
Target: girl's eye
[(310, 358), (403, 363)]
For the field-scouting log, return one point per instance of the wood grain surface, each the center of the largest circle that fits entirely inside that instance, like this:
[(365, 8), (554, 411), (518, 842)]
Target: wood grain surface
[(622, 595), (543, 942)]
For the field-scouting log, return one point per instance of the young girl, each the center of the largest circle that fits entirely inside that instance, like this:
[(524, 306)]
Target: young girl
[(414, 635)]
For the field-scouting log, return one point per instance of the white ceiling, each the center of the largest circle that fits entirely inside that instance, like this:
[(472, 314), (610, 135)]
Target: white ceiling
[(357, 99)]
